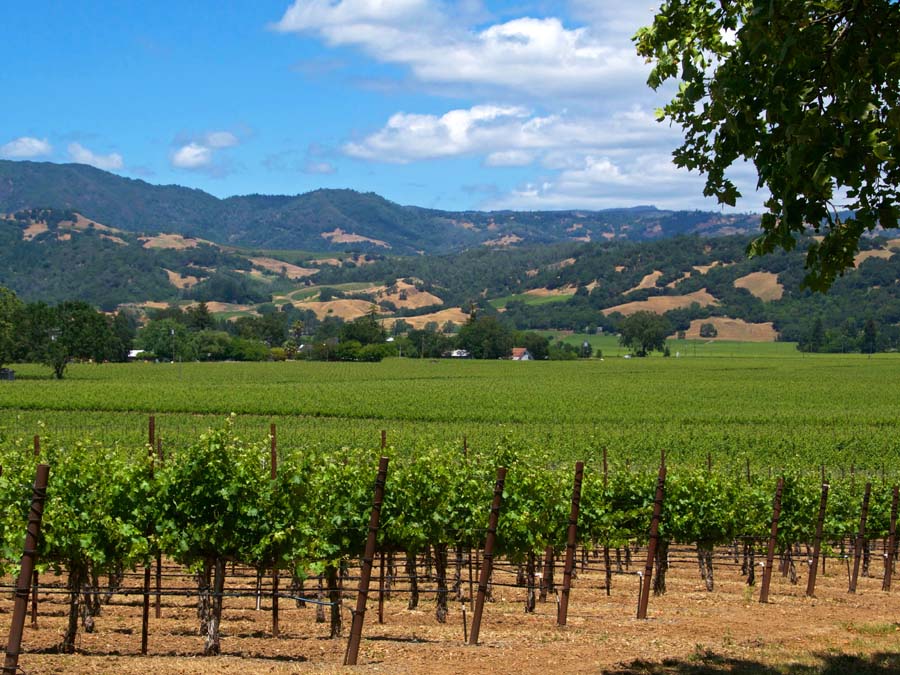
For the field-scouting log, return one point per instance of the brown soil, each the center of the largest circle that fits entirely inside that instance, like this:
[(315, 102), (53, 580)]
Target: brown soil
[(279, 266), (687, 628), (338, 236), (764, 285), (663, 303), (735, 329)]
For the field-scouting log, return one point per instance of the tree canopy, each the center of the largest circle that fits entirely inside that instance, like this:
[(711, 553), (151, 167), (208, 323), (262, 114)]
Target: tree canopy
[(807, 90), (643, 332)]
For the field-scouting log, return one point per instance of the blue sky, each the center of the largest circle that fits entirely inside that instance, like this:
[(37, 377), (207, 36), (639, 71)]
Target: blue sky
[(454, 105)]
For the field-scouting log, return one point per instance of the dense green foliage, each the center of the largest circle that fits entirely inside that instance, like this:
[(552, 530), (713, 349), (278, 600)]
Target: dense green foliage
[(807, 90), (644, 332)]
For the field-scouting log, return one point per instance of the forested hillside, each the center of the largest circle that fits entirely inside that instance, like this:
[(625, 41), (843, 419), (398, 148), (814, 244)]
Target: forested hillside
[(328, 220)]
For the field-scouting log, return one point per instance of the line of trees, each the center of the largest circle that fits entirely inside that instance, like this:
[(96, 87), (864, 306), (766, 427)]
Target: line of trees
[(58, 334)]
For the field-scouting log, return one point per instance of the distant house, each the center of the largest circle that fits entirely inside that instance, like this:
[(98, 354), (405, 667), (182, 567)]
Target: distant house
[(459, 354), (521, 354)]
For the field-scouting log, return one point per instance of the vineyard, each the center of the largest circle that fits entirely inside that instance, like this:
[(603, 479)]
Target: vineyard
[(252, 491)]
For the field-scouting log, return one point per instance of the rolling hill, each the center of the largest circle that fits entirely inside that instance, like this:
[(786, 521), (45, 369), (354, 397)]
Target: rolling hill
[(329, 220)]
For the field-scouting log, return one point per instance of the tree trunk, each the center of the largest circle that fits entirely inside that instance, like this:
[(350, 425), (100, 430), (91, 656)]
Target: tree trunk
[(750, 557), (440, 567), (530, 598), (77, 574), (320, 596), (704, 558), (662, 566), (334, 596), (213, 646), (413, 580), (457, 575), (607, 564), (547, 577), (297, 589), (203, 600)]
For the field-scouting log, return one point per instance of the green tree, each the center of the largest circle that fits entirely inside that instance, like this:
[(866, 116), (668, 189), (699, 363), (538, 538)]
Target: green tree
[(644, 332), (10, 318), (870, 337), (366, 330), (807, 90), (485, 338)]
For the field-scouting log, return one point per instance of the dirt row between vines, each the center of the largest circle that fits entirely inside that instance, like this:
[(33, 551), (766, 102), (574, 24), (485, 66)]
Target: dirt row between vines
[(689, 630)]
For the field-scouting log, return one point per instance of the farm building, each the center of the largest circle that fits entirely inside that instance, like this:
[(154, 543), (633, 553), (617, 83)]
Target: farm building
[(521, 354)]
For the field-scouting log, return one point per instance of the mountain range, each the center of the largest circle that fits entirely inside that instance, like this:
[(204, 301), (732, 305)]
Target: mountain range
[(329, 220)]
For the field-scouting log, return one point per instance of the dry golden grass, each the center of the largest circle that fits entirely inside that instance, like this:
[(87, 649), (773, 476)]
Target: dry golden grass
[(454, 314), (683, 277), (179, 281), (345, 309), (279, 266), (764, 285), (551, 292), (338, 236), (649, 281), (505, 240), (862, 256), (735, 329), (173, 241), (660, 304)]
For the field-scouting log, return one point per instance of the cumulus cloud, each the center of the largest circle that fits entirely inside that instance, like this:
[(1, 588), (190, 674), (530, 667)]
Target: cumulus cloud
[(200, 153), (600, 182), (26, 147), (537, 56), (192, 156), (82, 155), (508, 136)]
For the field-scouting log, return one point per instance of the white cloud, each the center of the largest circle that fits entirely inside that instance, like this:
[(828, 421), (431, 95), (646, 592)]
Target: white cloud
[(25, 147), (535, 56), (221, 139), (510, 136), (82, 155), (192, 156), (601, 182), (319, 167), (509, 158), (200, 153)]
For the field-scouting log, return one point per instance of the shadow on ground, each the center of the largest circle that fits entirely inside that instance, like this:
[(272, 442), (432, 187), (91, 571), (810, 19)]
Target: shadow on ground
[(709, 663)]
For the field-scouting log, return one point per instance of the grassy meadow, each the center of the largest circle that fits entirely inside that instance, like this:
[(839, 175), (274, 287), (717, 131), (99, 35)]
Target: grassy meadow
[(758, 402)]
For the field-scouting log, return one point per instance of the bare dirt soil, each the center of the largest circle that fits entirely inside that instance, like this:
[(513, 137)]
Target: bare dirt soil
[(689, 630)]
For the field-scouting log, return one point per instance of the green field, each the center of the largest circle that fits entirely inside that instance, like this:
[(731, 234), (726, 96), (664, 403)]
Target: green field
[(779, 409), (530, 299)]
